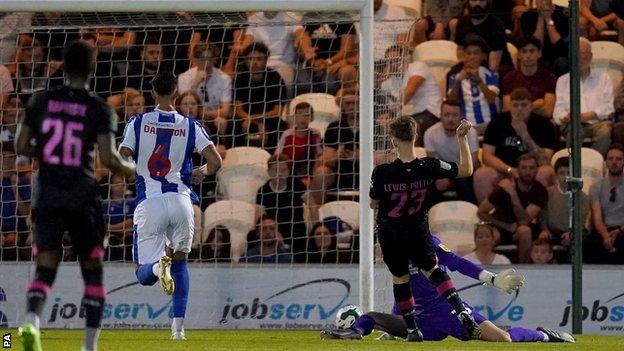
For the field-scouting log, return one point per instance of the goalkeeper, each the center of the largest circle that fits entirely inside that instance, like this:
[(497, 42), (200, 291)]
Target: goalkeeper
[(435, 317)]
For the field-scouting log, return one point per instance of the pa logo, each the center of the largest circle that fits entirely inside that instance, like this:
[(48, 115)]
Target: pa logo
[(6, 341)]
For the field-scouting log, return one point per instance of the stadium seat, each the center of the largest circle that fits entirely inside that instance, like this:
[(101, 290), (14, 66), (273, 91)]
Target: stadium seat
[(440, 56), (453, 222), (325, 110), (513, 52), (243, 172), (609, 57), (348, 211), (238, 217), (412, 7), (592, 165)]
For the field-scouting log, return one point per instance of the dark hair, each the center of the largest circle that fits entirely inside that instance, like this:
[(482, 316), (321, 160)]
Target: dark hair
[(164, 83), (475, 40), (222, 254), (520, 94), (528, 156), (403, 128), (78, 58), (616, 146), (530, 40), (542, 242), (562, 162), (304, 105), (313, 252), (450, 102), (256, 46)]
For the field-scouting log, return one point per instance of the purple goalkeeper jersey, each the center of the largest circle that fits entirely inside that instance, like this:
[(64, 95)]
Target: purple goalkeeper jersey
[(424, 291)]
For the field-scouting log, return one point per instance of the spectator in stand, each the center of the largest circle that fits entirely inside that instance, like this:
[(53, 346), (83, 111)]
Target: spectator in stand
[(391, 26), (141, 73), (479, 21), (128, 104), (321, 245), (12, 24), (118, 210), (107, 78), (33, 73), (216, 248), (475, 87), (606, 243), (337, 166), (282, 34), (542, 252), (213, 87), (513, 207), (548, 24), (440, 22), (15, 238), (335, 51), (554, 218), (300, 143), (12, 111), (486, 237), (271, 247), (600, 15), (414, 84), (282, 199), (540, 82), (441, 142), (596, 100), (510, 135), (259, 93)]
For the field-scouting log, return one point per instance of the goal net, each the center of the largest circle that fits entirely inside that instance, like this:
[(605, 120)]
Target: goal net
[(278, 93)]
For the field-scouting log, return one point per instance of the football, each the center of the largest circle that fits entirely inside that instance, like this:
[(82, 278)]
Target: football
[(346, 316)]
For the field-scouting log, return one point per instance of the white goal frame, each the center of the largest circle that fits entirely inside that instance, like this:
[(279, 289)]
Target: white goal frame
[(366, 69)]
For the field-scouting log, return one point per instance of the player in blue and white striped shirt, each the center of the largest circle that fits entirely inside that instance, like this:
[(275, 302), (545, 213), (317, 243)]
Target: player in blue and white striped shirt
[(162, 142)]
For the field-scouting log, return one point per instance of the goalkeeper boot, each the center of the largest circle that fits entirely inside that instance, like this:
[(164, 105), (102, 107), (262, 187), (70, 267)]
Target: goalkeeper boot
[(473, 329), (414, 336), (166, 281), (342, 334), (556, 336), (31, 337)]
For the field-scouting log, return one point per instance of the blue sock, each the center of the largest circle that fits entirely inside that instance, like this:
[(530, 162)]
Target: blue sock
[(525, 335), (364, 325), (180, 275), (145, 275)]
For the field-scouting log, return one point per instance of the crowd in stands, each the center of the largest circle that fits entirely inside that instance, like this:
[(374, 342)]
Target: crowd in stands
[(243, 80)]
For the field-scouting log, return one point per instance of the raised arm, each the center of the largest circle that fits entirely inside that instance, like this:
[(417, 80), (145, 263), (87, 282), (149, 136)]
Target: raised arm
[(465, 158)]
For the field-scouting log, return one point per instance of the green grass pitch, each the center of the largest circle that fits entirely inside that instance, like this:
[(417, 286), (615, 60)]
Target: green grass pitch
[(213, 340)]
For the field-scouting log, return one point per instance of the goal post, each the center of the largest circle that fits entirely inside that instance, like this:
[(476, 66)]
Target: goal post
[(366, 80)]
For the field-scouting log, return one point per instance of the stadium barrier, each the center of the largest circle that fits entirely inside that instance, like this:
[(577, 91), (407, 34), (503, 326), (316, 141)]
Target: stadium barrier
[(307, 298)]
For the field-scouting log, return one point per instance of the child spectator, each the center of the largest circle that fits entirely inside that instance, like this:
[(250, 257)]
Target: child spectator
[(541, 252), (486, 237), (300, 143), (475, 87), (216, 248), (119, 210)]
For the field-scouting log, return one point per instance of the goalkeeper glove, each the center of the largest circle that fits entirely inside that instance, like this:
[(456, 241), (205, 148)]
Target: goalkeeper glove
[(505, 280)]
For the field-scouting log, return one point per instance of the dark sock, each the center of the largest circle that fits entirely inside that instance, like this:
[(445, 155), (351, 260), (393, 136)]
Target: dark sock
[(446, 288), (525, 335), (405, 302), (39, 289), (94, 296)]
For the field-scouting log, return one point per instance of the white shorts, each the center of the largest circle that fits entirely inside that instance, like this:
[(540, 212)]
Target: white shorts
[(159, 221)]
